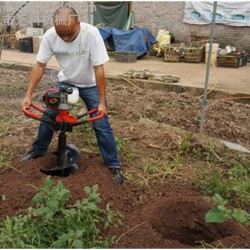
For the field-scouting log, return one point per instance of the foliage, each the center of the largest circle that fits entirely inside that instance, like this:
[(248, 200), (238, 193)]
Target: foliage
[(4, 159), (186, 143), (11, 89), (196, 149), (122, 148), (232, 183), (50, 224), (239, 177), (222, 213)]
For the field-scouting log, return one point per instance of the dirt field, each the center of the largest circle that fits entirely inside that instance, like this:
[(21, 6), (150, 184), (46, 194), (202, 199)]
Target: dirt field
[(162, 211)]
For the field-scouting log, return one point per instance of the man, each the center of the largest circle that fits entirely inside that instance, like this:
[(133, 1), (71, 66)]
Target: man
[(81, 53)]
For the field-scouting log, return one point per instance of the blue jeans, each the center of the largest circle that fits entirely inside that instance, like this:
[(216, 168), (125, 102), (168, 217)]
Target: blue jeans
[(102, 128)]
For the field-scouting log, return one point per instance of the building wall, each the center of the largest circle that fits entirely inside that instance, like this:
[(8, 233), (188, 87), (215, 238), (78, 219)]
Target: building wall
[(39, 11), (169, 15), (153, 15)]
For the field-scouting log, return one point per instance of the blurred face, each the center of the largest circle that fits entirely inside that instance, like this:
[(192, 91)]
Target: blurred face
[(67, 28)]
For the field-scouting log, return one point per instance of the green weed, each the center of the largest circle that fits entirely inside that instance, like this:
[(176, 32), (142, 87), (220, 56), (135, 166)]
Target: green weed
[(232, 183), (4, 159), (3, 127), (215, 183), (2, 197), (197, 150), (155, 171), (222, 213), (239, 176), (123, 149), (186, 143), (51, 224), (14, 89)]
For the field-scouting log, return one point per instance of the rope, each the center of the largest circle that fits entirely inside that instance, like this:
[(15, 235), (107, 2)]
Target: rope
[(215, 85), (221, 99), (231, 98)]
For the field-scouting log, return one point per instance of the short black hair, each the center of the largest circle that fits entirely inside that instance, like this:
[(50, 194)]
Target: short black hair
[(72, 12)]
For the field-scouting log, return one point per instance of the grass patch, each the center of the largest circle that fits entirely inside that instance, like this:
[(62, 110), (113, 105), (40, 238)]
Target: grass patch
[(4, 159), (231, 182), (123, 149), (155, 171), (13, 89)]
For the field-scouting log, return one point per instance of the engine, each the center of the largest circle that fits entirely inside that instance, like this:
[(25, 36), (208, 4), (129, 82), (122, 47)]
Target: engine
[(61, 98)]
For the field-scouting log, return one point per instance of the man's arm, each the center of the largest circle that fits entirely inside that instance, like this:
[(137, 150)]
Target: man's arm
[(101, 85), (36, 75)]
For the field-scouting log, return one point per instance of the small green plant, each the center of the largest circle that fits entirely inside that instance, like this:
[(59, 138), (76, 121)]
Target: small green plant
[(186, 143), (215, 183), (122, 148), (5, 163), (3, 126), (222, 213), (196, 149), (2, 197), (239, 176), (51, 224), (231, 182), (4, 159)]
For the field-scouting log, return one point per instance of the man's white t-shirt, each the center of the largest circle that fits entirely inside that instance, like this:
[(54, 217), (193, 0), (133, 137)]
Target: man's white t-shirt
[(76, 58)]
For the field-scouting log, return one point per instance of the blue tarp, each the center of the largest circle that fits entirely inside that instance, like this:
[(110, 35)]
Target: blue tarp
[(135, 40)]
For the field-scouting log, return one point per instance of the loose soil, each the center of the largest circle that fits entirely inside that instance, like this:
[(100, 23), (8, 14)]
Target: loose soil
[(168, 213)]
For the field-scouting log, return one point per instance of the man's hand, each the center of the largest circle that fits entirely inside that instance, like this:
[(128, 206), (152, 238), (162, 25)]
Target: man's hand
[(101, 85), (26, 103), (36, 75), (102, 108)]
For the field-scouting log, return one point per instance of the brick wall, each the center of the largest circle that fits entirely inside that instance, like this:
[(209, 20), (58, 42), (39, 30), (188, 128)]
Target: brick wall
[(152, 15), (169, 15), (39, 11)]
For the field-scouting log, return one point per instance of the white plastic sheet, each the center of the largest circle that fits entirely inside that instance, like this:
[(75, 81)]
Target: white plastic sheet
[(229, 13)]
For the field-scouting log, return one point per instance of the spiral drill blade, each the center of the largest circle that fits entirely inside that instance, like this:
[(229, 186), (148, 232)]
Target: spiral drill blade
[(67, 163)]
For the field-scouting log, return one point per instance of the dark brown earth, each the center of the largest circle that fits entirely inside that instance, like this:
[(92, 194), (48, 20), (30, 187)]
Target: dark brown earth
[(168, 213)]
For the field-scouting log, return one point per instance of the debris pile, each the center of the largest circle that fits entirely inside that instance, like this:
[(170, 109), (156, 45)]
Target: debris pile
[(146, 74)]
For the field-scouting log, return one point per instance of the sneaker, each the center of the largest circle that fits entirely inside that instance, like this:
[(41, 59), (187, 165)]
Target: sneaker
[(31, 155), (117, 177)]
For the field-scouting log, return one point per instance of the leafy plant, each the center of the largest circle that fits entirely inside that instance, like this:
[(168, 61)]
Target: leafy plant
[(221, 213), (51, 224), (190, 146), (122, 148), (186, 143), (215, 183), (231, 182), (239, 176)]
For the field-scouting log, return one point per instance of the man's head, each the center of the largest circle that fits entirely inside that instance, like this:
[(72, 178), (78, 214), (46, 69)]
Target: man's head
[(66, 24)]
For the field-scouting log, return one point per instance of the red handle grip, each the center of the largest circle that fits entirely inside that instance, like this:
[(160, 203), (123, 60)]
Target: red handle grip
[(101, 115), (28, 113), (32, 115)]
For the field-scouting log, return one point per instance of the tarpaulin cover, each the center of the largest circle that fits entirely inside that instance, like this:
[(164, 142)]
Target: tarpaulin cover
[(135, 40), (112, 13)]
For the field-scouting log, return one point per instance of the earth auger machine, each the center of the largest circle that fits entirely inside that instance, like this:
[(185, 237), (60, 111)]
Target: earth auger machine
[(60, 99)]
